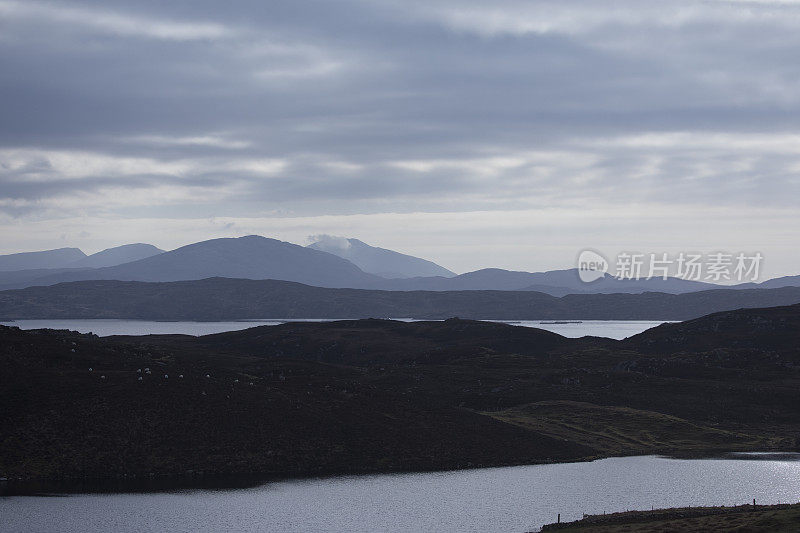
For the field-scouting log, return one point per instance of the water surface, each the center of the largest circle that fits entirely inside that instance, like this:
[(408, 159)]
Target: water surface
[(614, 329), (513, 499)]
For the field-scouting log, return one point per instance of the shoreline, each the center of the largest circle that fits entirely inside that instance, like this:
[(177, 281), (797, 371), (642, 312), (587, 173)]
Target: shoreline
[(680, 517), (153, 483)]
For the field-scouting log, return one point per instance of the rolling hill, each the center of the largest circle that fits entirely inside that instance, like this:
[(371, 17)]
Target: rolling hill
[(380, 396)]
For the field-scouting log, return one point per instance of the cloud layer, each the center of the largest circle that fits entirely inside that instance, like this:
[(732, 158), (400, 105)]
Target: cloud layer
[(117, 113)]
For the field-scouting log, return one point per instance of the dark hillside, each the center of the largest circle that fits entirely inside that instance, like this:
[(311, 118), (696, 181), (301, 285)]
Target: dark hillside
[(379, 395)]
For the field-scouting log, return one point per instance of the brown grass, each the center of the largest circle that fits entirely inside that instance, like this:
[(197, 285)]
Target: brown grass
[(625, 431), (743, 519)]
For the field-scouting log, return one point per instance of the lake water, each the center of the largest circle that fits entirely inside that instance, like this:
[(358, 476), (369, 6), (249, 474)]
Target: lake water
[(614, 329), (513, 499)]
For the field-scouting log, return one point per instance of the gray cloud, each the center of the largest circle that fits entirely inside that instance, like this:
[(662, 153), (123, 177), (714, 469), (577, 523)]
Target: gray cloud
[(331, 108)]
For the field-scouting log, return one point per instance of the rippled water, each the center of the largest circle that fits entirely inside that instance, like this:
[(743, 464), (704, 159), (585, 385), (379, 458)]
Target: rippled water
[(513, 499), (614, 329)]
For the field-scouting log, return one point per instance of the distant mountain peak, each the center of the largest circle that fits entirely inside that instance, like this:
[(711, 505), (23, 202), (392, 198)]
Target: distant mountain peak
[(379, 261), (58, 258), (117, 255), (331, 242)]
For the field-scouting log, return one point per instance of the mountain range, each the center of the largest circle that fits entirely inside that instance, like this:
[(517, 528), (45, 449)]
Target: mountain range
[(28, 268), (67, 258), (251, 257), (329, 262), (553, 282)]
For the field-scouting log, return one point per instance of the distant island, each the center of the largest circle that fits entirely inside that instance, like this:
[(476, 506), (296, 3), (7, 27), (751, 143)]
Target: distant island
[(230, 299)]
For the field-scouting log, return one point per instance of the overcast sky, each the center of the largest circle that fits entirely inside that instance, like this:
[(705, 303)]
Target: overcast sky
[(505, 133)]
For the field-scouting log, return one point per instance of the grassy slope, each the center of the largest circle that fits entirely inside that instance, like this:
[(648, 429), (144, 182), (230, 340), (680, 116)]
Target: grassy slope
[(744, 519), (625, 431)]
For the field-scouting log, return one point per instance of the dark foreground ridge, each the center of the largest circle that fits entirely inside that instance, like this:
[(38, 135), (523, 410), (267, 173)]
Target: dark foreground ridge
[(229, 299), (380, 396), (772, 518)]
